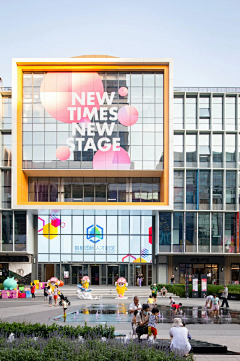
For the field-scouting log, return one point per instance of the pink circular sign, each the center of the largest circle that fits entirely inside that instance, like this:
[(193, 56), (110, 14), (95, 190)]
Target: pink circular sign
[(61, 91), (111, 159), (123, 91), (63, 153), (127, 115)]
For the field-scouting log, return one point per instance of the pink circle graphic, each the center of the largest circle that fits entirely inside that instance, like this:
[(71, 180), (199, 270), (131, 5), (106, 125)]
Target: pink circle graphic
[(63, 153), (62, 90), (111, 159), (127, 115), (123, 91)]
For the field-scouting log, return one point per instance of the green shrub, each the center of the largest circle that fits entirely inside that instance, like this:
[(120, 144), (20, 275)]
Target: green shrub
[(179, 289), (1, 287), (42, 330)]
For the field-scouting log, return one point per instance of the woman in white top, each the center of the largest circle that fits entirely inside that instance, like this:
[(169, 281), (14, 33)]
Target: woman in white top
[(179, 338)]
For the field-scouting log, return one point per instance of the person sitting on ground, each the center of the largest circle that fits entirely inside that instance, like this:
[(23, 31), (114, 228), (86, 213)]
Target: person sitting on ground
[(215, 305), (171, 301), (164, 291), (154, 292), (134, 323), (208, 300), (142, 321), (152, 323), (179, 339), (176, 307), (150, 300), (184, 325)]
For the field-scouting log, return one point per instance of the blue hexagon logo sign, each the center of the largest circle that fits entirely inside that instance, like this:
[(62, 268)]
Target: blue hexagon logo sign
[(94, 234)]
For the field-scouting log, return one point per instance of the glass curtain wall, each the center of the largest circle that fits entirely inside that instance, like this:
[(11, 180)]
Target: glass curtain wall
[(43, 133), (178, 112), (101, 236)]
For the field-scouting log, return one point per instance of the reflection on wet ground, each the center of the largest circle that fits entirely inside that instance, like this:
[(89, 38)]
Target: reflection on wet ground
[(97, 313)]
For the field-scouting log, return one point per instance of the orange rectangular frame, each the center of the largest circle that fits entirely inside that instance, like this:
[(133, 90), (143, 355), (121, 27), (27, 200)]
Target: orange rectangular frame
[(22, 178)]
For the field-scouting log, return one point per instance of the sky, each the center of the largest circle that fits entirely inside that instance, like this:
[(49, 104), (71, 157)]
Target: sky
[(201, 36)]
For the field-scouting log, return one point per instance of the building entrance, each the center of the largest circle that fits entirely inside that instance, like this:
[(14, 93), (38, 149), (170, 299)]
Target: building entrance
[(139, 269), (78, 272), (95, 275)]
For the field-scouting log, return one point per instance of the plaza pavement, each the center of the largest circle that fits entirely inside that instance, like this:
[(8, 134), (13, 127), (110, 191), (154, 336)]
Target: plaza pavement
[(31, 311)]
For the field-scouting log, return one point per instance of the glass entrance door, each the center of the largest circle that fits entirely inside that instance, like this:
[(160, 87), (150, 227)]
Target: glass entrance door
[(76, 274), (95, 275), (113, 275)]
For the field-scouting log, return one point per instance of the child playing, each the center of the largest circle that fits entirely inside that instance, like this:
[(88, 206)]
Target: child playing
[(150, 300), (171, 301), (50, 296), (134, 323), (45, 292), (152, 323), (176, 307), (55, 295), (65, 306), (33, 287)]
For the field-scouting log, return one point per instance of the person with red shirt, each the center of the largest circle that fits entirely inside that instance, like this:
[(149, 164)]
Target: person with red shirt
[(33, 288), (176, 307)]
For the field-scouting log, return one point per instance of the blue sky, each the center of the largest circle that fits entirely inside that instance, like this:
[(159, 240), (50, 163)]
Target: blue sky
[(202, 36)]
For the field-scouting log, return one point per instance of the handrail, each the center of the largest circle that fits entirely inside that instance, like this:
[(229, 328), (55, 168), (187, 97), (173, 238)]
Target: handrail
[(208, 89)]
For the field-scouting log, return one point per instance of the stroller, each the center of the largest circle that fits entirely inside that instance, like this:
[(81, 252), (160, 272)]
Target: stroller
[(62, 297)]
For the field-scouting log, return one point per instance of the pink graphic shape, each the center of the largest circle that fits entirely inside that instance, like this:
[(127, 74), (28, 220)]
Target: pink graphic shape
[(128, 255), (55, 222), (57, 90), (43, 224), (123, 91), (63, 153), (150, 235), (111, 159), (127, 115)]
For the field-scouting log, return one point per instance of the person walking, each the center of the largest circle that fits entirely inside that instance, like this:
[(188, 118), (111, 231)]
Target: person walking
[(224, 296), (55, 295), (172, 281), (180, 345), (33, 288), (140, 280), (45, 293)]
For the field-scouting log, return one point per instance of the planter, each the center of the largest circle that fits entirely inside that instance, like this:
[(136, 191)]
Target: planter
[(234, 296)]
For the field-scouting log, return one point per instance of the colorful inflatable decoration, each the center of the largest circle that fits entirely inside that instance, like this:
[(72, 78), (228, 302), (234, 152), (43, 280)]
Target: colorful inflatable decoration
[(54, 282), (10, 284), (85, 284), (121, 287), (84, 293)]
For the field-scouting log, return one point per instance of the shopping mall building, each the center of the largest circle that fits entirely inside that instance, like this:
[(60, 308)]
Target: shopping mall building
[(107, 170)]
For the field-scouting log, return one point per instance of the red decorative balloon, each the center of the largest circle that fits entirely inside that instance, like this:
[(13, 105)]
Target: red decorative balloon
[(61, 283)]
